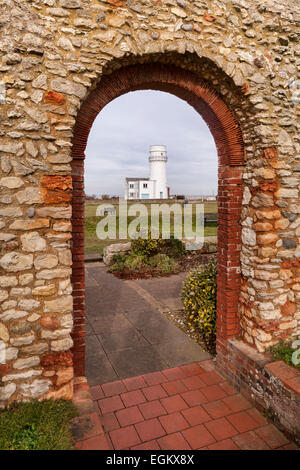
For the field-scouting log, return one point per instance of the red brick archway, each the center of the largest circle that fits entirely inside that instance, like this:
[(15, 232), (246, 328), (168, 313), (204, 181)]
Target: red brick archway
[(229, 143)]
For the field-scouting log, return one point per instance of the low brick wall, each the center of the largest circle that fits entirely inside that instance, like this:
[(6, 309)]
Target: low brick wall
[(273, 387)]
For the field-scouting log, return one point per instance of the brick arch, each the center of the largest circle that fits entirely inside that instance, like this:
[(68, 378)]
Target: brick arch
[(229, 143)]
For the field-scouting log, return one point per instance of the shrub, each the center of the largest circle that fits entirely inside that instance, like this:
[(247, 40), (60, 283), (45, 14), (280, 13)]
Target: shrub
[(135, 262), (118, 263), (199, 300), (162, 262), (145, 246), (152, 246), (172, 247), (151, 255)]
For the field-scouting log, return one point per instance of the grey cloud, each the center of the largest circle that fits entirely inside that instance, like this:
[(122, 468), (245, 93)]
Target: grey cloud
[(119, 143)]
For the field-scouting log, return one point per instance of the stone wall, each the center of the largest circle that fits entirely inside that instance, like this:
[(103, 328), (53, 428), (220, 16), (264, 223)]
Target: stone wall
[(54, 55)]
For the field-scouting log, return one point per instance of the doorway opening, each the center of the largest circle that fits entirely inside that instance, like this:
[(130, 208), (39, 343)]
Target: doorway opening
[(124, 325), (228, 139)]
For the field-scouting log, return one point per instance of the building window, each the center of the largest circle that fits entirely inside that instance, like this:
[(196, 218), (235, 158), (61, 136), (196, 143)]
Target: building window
[(145, 185), (131, 186), (131, 194)]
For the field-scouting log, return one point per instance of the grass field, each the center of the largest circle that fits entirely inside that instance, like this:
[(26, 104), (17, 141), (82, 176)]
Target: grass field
[(94, 245), (36, 425)]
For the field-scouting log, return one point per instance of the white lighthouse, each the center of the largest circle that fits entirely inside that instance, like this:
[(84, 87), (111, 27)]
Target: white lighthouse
[(154, 187), (158, 170)]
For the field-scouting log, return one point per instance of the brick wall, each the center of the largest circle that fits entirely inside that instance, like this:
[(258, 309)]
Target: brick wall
[(273, 387)]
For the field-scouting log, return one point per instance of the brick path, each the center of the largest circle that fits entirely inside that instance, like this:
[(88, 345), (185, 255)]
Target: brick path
[(182, 408), (154, 388)]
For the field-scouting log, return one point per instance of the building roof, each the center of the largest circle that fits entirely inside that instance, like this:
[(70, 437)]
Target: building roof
[(136, 179)]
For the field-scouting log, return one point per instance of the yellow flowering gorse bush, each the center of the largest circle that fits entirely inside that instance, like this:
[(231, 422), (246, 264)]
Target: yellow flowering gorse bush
[(199, 295)]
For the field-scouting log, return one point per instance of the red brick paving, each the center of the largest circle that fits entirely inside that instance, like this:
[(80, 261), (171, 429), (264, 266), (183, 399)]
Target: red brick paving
[(133, 398), (242, 421), (272, 436), (173, 441), (227, 444), (217, 409), (198, 436), (174, 403), (221, 429), (123, 438), (110, 422), (150, 429), (236, 403), (195, 415), (183, 408), (94, 443), (150, 445), (129, 416), (250, 441), (152, 409), (193, 382), (154, 378), (113, 388), (175, 386), (107, 405), (154, 392), (134, 383), (194, 397), (173, 422)]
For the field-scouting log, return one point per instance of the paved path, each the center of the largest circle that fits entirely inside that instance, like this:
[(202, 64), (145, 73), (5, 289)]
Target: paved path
[(154, 388), (127, 335), (182, 408)]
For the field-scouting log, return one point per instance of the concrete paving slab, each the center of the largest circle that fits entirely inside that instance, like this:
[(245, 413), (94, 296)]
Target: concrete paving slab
[(99, 370), (122, 339), (181, 351), (134, 361), (127, 333)]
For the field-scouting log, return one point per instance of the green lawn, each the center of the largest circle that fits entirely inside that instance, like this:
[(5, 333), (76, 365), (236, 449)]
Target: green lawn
[(37, 425), (94, 245)]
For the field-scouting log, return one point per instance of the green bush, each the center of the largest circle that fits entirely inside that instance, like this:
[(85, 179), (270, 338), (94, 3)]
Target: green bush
[(145, 246), (140, 264), (135, 262), (162, 262), (118, 263), (149, 254), (37, 425), (172, 247), (283, 352), (199, 295), (152, 246)]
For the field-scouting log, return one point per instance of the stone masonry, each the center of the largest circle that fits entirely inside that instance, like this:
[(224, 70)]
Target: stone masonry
[(236, 63)]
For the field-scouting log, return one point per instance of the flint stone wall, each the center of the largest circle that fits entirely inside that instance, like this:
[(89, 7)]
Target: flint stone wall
[(53, 54)]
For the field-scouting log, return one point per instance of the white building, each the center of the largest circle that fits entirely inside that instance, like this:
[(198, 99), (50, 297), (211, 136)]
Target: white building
[(154, 187)]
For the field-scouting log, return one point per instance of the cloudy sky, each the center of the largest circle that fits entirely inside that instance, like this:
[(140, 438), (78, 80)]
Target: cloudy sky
[(120, 138)]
